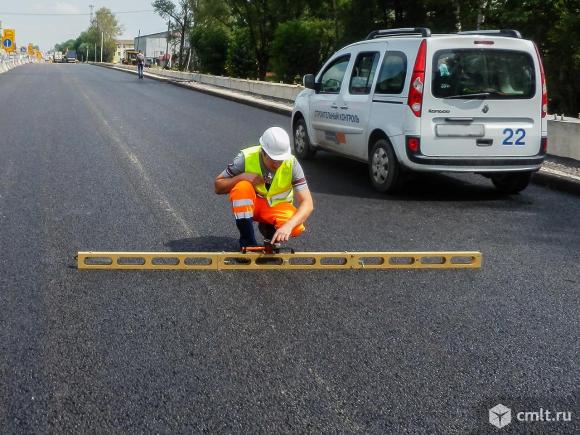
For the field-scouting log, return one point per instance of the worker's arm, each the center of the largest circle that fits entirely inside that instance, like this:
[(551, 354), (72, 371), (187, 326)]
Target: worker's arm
[(225, 184), (305, 208)]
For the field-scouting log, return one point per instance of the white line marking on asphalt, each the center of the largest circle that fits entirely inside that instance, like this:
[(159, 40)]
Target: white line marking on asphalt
[(158, 195)]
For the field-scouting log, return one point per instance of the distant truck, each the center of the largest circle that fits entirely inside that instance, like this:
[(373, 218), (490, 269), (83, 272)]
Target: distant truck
[(57, 56), (71, 56)]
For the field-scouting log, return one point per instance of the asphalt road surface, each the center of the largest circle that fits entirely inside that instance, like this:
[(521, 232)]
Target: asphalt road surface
[(94, 159)]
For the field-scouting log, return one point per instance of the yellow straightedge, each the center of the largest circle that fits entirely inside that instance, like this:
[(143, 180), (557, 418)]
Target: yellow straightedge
[(298, 260)]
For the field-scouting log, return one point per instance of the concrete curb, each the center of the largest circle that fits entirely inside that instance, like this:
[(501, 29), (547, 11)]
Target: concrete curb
[(556, 182), (239, 97), (545, 177)]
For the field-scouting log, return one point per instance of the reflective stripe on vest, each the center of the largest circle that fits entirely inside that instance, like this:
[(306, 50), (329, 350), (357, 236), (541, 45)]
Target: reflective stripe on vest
[(281, 188)]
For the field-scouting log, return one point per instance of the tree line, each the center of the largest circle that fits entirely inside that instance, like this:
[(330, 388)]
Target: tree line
[(284, 39), (103, 29)]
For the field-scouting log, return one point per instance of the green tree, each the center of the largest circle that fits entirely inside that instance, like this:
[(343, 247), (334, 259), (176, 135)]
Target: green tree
[(181, 18), (300, 47), (84, 45), (261, 19), (105, 28), (64, 46), (210, 43), (211, 11), (241, 61), (563, 61), (557, 39)]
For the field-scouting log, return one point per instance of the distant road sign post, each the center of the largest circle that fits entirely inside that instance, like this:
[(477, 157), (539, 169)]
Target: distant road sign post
[(8, 42)]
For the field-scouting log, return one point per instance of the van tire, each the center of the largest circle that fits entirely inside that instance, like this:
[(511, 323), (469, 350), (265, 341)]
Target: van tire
[(303, 148), (384, 168), (511, 182)]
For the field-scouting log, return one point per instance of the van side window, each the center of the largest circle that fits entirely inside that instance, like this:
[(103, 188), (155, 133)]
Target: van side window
[(331, 79), (363, 73), (393, 73)]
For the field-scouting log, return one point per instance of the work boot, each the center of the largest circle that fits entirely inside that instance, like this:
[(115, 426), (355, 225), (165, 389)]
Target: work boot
[(247, 236), (267, 230)]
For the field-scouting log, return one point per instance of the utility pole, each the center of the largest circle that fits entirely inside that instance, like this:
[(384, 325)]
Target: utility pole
[(95, 59), (102, 38), (87, 58), (167, 62)]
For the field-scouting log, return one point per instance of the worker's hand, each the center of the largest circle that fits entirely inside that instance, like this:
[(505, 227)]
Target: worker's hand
[(283, 233), (255, 179)]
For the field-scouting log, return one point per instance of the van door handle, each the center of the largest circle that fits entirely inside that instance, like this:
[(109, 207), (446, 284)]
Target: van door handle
[(333, 106), (344, 107), (484, 142)]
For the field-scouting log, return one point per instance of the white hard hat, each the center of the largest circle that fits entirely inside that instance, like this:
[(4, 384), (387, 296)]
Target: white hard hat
[(276, 143)]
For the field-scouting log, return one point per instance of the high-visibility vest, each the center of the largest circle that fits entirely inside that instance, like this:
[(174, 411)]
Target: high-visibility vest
[(281, 187)]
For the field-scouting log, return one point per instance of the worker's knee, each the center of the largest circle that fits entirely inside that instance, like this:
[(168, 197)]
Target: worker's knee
[(242, 189)]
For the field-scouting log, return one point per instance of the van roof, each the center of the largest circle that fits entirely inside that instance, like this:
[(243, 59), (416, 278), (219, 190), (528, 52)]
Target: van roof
[(425, 32), (497, 35)]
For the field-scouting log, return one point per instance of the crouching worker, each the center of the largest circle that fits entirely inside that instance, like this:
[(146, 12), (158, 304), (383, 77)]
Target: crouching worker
[(262, 182)]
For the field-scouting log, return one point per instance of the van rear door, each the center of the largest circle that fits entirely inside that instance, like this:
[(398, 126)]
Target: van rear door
[(482, 97)]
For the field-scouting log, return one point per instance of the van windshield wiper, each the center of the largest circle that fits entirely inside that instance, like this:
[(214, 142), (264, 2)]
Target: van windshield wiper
[(478, 95)]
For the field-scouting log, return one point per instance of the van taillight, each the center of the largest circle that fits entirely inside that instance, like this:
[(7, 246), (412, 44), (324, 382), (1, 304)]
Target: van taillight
[(413, 144), (544, 86), (415, 100), (544, 145)]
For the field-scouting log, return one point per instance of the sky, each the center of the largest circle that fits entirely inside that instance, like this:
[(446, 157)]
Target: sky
[(48, 30)]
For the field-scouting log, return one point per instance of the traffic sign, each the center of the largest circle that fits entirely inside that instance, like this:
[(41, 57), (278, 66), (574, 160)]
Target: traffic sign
[(8, 40), (22, 49)]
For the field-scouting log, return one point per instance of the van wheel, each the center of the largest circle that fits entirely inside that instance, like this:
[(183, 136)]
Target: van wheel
[(384, 169), (303, 149), (513, 182)]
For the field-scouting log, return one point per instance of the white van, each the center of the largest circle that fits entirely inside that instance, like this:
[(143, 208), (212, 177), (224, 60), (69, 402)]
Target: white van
[(407, 100)]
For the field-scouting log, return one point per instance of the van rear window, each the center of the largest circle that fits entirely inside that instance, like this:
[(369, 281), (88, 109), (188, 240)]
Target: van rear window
[(488, 73)]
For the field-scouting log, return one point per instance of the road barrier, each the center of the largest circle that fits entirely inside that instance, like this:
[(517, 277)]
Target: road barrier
[(278, 91), (564, 138), (563, 134), (8, 63)]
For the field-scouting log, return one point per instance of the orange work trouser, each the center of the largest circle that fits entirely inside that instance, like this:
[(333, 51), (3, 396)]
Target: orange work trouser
[(246, 204)]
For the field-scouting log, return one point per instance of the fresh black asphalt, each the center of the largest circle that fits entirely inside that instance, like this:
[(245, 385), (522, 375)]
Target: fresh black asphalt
[(94, 159)]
